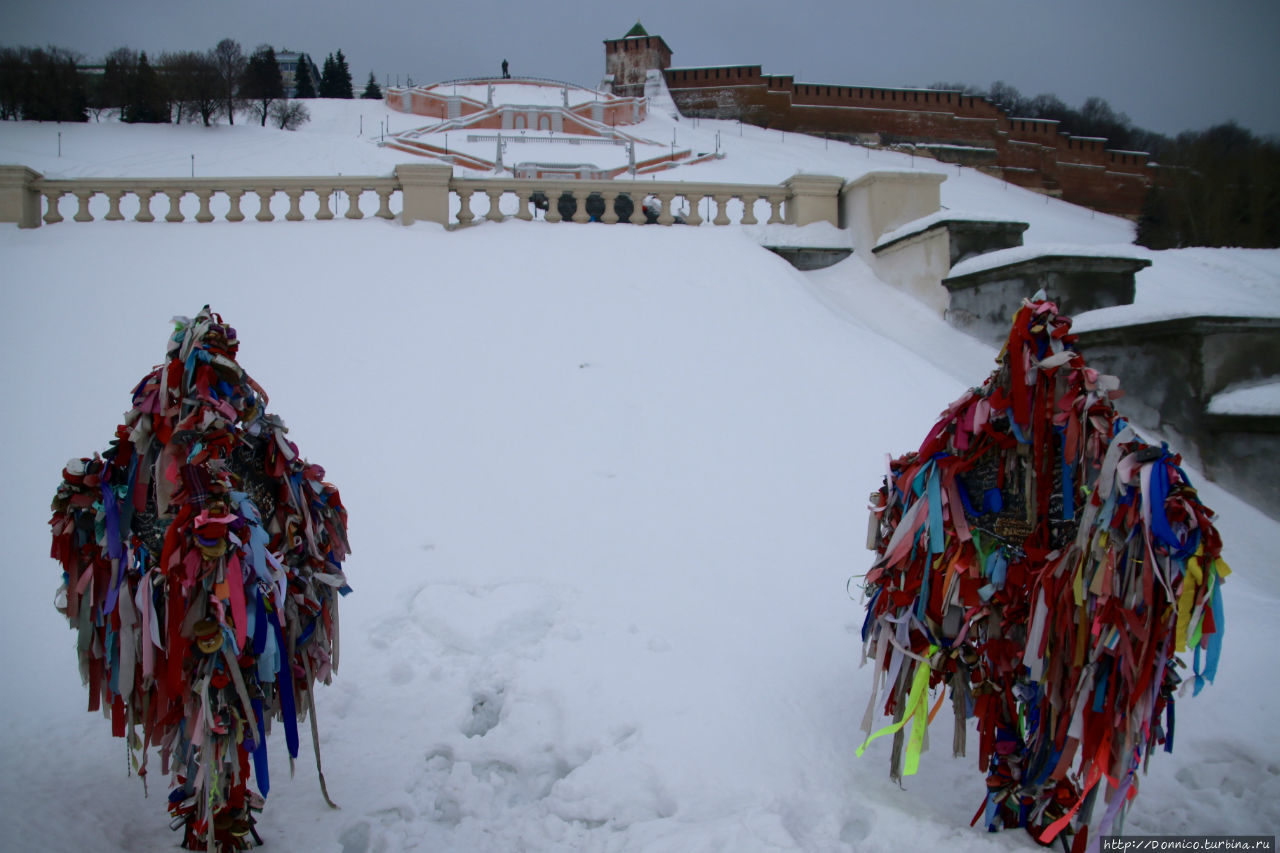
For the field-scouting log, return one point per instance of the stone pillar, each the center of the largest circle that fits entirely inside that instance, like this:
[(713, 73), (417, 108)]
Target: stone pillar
[(424, 192), (19, 200), (878, 202), (813, 198)]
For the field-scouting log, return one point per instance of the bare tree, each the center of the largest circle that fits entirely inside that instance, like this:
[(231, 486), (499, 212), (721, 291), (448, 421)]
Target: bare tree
[(1008, 97), (193, 82), (289, 115), (230, 62)]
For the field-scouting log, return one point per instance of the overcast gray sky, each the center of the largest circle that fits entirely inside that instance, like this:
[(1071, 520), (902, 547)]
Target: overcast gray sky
[(1171, 65)]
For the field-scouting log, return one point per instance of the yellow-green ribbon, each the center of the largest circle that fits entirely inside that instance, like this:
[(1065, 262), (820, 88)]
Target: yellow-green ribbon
[(917, 713)]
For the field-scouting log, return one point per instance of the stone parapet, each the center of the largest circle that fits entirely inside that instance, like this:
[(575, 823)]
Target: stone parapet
[(19, 199), (878, 202), (428, 192), (813, 198), (982, 301), (1243, 451), (1171, 369)]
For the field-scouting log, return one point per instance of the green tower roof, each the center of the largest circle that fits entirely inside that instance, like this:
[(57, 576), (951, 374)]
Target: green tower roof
[(636, 32)]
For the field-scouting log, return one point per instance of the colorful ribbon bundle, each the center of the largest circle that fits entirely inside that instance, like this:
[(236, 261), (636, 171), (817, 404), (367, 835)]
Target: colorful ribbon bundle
[(1038, 558), (201, 557)]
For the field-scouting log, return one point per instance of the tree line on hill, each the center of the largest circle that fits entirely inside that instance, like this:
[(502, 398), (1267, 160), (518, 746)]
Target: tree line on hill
[(1213, 187), (52, 84)]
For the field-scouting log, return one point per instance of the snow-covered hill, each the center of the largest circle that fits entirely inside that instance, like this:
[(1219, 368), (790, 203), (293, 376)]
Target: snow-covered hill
[(603, 512)]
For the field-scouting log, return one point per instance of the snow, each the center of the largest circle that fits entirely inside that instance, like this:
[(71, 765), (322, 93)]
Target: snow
[(1019, 254), (1260, 399), (1197, 282), (816, 235), (603, 513), (924, 223)]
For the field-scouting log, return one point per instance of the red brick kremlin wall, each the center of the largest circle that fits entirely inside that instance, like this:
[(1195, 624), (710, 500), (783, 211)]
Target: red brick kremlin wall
[(1032, 153)]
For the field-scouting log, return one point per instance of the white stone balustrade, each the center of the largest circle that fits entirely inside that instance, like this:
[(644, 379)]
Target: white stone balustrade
[(427, 192), (599, 200), (146, 191)]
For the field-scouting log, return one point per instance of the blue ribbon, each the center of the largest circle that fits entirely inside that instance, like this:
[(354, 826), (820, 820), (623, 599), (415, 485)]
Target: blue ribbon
[(1100, 687), (285, 687), (115, 549), (261, 771), (937, 535), (1214, 643), (871, 607), (257, 619), (996, 568), (992, 500)]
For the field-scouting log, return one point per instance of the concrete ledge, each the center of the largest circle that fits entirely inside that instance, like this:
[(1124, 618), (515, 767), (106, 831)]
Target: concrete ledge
[(967, 238), (810, 258), (1243, 452), (1171, 369), (983, 299)]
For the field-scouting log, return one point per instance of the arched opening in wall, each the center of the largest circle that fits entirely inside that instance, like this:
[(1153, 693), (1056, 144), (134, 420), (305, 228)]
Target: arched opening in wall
[(544, 122), (520, 122)]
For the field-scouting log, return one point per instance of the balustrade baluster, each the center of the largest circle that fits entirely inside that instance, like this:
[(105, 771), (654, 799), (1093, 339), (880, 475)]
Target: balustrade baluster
[(580, 212), (82, 213), (495, 209), (695, 215), (144, 206), (204, 214), (175, 205), (748, 209), (775, 210), (553, 204), (722, 209), (264, 204), (113, 206), (353, 203), (324, 211), (384, 204), (637, 209), (610, 216), (234, 214), (295, 205), (665, 216), (52, 214), (465, 216), (524, 211)]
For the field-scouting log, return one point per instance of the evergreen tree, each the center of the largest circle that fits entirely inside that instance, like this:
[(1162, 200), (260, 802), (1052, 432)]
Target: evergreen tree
[(327, 78), (262, 82), (303, 85), (342, 78), (115, 89), (51, 87), (371, 89), (13, 72), (147, 102)]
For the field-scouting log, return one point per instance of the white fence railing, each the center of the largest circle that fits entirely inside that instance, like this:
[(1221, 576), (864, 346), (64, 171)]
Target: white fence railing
[(414, 192)]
